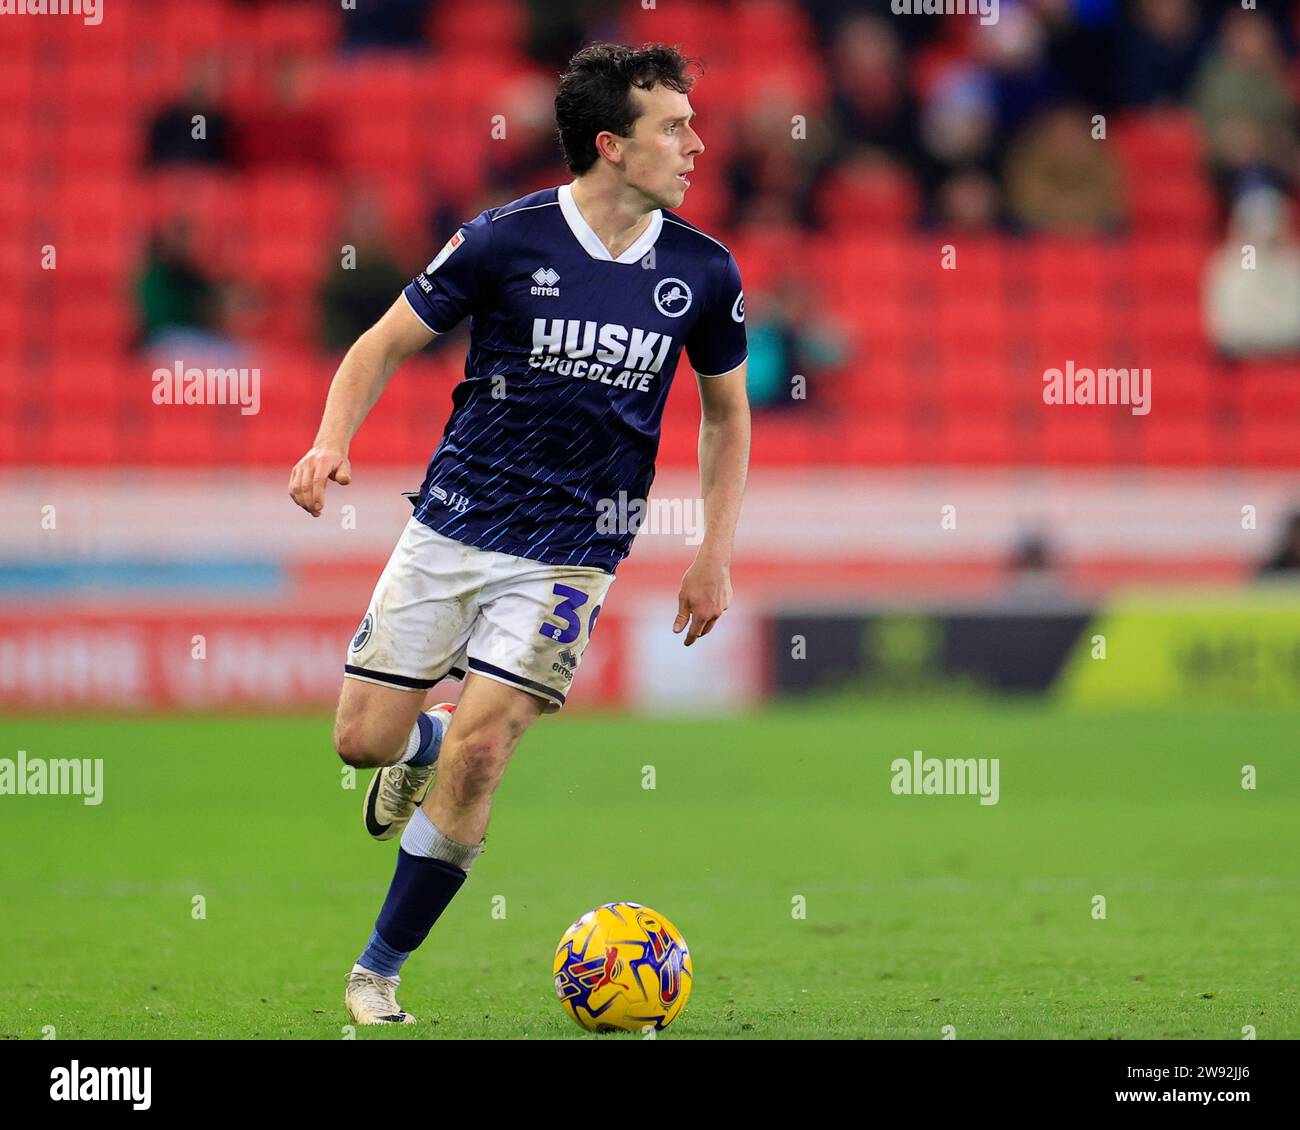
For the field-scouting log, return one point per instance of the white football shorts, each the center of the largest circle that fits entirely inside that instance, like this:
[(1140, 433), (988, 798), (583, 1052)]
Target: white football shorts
[(443, 608)]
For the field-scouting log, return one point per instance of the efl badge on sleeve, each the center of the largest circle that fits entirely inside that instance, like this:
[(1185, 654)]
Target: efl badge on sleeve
[(454, 242)]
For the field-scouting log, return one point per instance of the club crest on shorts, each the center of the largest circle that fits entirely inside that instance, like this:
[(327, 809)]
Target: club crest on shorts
[(672, 298), (363, 633)]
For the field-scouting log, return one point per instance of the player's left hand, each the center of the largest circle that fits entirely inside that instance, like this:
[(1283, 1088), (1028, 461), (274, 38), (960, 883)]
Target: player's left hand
[(705, 595)]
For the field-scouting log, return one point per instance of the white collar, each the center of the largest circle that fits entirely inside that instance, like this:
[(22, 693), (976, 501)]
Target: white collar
[(591, 242)]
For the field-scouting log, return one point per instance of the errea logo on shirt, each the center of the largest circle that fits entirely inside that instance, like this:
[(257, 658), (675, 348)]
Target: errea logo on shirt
[(545, 278)]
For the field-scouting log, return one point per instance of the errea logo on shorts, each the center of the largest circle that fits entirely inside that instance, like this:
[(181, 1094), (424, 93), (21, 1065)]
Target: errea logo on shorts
[(545, 278)]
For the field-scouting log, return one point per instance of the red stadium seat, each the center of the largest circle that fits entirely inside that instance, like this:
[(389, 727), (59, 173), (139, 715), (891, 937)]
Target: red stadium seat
[(81, 388), (12, 437), (1172, 441), (771, 27), (1172, 208), (198, 26), (14, 378), (785, 440), (699, 28), (491, 29), (1154, 144), (1181, 390), (975, 324), (978, 436), (1270, 391), (1174, 327), (19, 76), (180, 435), (882, 441), (83, 441), (1273, 443), (302, 27), (882, 191), (872, 266), (1171, 267), (979, 264), (878, 385), (794, 81), (970, 384), (99, 325), (13, 320), (1064, 269), (1079, 435)]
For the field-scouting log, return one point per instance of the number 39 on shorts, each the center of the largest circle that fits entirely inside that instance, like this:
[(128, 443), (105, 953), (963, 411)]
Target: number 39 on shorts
[(571, 600)]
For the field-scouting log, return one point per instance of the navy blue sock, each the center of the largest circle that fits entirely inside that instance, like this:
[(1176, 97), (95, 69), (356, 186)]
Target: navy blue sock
[(419, 893), (380, 957), (430, 741)]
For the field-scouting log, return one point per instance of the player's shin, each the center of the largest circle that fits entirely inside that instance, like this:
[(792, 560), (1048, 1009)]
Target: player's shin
[(431, 868)]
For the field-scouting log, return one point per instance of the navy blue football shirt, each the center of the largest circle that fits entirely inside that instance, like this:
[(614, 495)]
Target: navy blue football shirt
[(571, 355)]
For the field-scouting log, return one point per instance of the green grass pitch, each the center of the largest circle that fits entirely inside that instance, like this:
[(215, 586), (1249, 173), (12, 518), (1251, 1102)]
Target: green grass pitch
[(921, 912)]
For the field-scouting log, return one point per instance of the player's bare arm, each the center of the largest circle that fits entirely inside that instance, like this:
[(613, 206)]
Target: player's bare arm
[(361, 378), (724, 464)]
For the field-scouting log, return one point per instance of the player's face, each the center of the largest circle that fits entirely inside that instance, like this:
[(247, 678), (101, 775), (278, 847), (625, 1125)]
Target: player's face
[(663, 146)]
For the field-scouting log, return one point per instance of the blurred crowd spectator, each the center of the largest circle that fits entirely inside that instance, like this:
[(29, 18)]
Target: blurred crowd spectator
[(1060, 180), (194, 128), (1285, 560), (358, 292), (792, 346), (1246, 106), (183, 310), (1252, 296)]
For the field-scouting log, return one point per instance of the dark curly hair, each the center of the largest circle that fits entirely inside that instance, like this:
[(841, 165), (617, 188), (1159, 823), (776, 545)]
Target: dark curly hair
[(595, 93)]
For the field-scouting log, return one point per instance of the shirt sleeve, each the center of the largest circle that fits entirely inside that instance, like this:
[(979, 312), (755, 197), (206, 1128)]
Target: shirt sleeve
[(452, 285), (716, 343)]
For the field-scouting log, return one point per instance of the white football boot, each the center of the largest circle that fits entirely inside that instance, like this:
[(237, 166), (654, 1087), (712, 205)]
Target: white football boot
[(372, 999), (396, 791)]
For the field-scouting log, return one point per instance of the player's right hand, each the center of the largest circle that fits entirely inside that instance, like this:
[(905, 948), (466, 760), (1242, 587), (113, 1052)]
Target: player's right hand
[(310, 474)]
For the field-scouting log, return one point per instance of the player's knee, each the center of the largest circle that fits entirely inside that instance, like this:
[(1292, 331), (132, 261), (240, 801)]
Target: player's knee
[(355, 746), (472, 763)]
